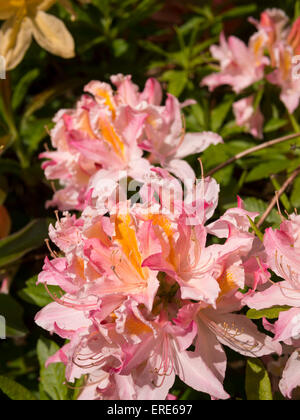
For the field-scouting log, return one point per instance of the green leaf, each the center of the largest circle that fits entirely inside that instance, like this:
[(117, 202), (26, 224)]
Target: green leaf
[(198, 48), (22, 87), (9, 166), (295, 196), (264, 170), (15, 246), (219, 114), (186, 395), (52, 378), (37, 294), (297, 9), (258, 384), (238, 11), (256, 230), (14, 390), (120, 47), (12, 311), (258, 97), (270, 313), (177, 81), (212, 157), (259, 206), (153, 48), (33, 131), (231, 128), (191, 24), (201, 115), (274, 124)]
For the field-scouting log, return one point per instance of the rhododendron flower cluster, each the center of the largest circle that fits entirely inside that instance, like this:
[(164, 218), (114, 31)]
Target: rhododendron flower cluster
[(146, 292), (109, 132), (275, 45), (145, 298), (283, 253)]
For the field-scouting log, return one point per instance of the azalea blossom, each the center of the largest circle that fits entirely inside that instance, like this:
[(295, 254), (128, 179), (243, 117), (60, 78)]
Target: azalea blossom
[(275, 43), (273, 24), (25, 19), (282, 248), (287, 330), (104, 139), (282, 43), (248, 117), (94, 144), (241, 65), (140, 286)]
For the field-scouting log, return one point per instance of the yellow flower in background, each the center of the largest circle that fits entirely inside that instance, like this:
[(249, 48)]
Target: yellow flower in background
[(26, 19)]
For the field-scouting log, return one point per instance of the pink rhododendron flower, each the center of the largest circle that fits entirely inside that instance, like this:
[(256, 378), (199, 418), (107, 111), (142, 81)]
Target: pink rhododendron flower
[(282, 248), (235, 222), (287, 330), (248, 117), (282, 43), (193, 203), (272, 24), (103, 139), (291, 375), (140, 286), (240, 65), (94, 137)]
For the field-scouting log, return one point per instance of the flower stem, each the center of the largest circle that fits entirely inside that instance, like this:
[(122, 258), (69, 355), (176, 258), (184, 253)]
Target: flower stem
[(252, 150), (272, 204), (284, 199)]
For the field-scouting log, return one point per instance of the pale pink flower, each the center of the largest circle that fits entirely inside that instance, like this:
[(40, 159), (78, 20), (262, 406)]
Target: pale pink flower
[(240, 65), (93, 138), (282, 249), (106, 260), (140, 286), (164, 132), (104, 139), (291, 375), (273, 24), (193, 203), (221, 325), (246, 116), (287, 330), (199, 269), (159, 359), (282, 43), (284, 78), (236, 218)]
